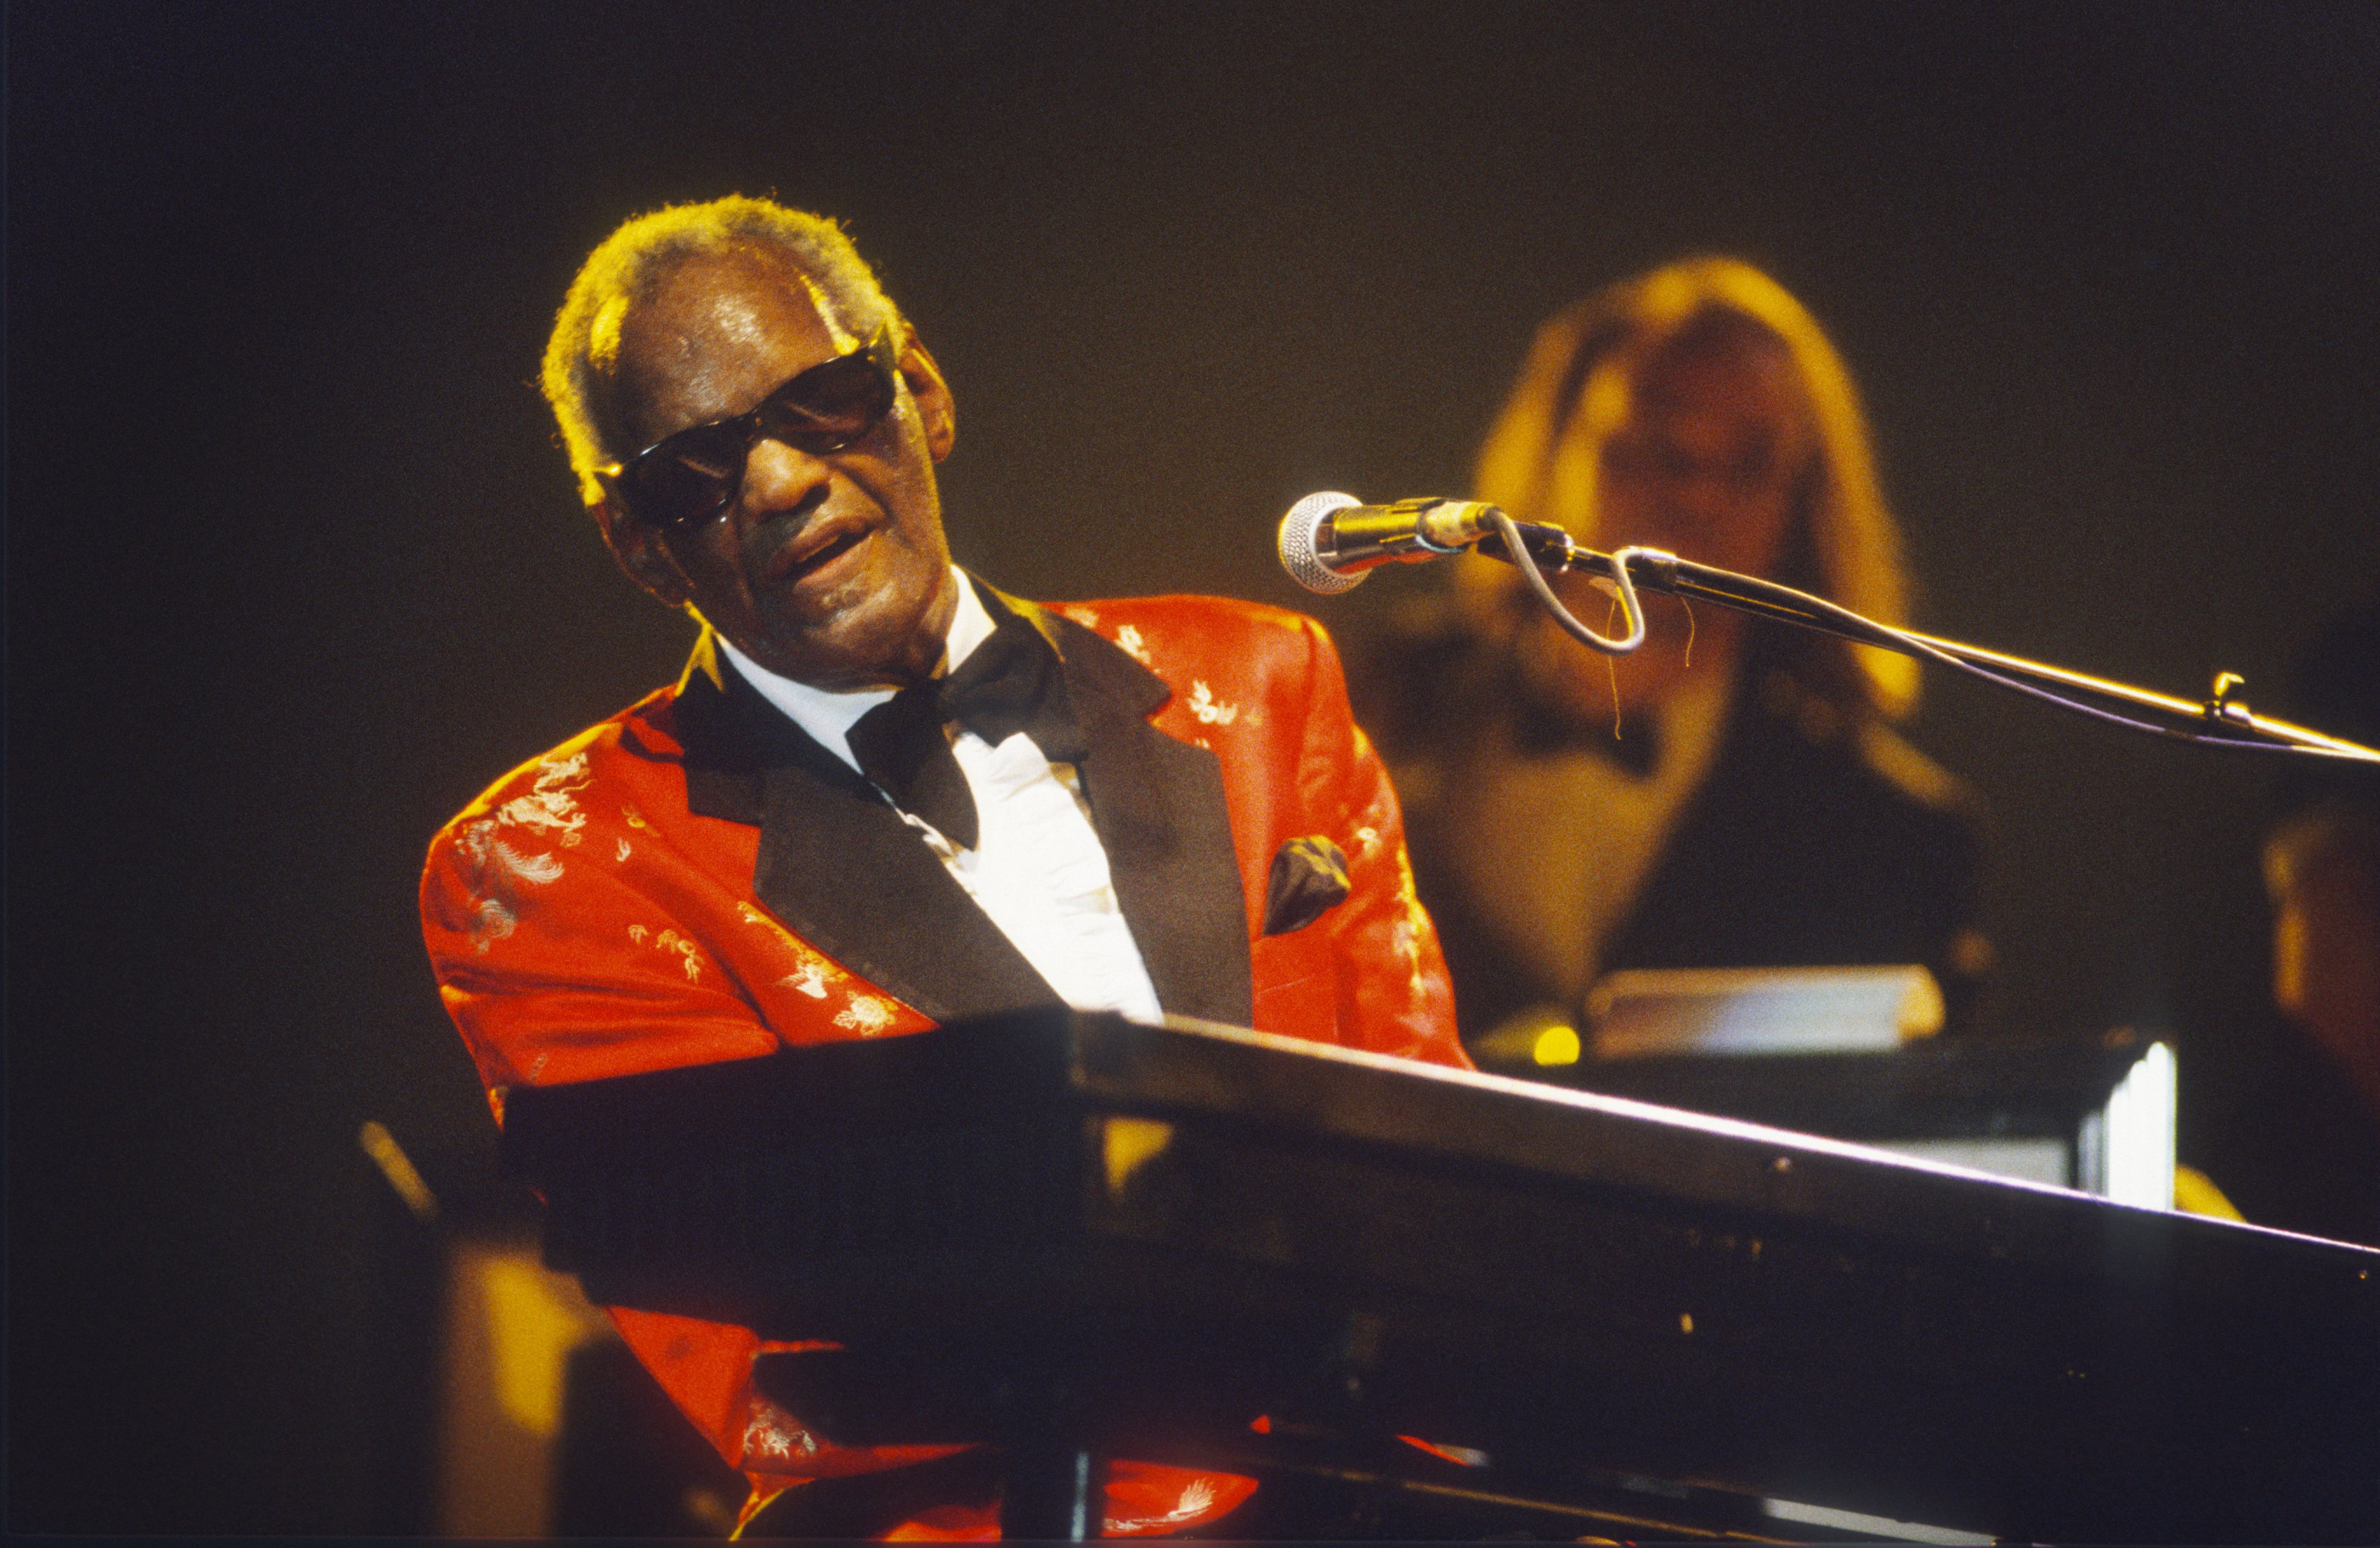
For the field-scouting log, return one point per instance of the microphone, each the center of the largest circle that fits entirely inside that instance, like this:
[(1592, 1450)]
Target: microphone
[(1329, 541)]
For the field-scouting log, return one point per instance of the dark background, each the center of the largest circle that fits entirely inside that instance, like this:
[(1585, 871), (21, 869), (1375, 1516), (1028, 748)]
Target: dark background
[(295, 566)]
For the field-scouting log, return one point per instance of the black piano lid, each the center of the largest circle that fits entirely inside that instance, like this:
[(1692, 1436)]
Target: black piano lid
[(1427, 1114), (1494, 1120), (1602, 1139), (1544, 1272)]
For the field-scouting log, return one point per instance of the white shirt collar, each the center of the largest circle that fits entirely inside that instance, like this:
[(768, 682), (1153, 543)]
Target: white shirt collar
[(829, 716)]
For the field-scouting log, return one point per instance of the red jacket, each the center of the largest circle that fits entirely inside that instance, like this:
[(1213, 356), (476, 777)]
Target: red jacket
[(695, 880)]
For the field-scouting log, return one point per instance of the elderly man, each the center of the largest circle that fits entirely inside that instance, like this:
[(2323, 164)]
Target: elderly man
[(884, 795)]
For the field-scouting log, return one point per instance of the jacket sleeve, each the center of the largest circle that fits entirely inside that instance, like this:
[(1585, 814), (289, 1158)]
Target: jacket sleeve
[(578, 945), (557, 966), (1394, 997)]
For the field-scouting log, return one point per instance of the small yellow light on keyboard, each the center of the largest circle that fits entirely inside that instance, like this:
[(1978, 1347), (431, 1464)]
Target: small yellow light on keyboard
[(1555, 1045)]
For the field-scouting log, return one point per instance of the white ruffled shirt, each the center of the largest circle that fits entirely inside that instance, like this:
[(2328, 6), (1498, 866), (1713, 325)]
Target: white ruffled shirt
[(1038, 870)]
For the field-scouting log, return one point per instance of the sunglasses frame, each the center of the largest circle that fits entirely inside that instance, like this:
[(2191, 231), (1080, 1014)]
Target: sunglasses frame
[(880, 351)]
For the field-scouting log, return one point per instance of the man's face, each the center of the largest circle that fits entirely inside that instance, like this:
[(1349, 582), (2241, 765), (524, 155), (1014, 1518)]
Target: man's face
[(831, 570)]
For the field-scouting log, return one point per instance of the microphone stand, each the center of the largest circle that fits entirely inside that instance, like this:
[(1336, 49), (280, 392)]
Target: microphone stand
[(2222, 719)]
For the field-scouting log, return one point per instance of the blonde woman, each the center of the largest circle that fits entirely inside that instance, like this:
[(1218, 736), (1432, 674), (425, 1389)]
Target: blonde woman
[(1732, 794)]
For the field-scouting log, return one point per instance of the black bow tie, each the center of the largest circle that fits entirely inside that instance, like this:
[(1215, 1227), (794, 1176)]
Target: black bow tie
[(1010, 683)]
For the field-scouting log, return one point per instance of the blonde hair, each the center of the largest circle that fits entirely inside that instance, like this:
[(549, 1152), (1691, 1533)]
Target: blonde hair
[(582, 356), (1545, 450)]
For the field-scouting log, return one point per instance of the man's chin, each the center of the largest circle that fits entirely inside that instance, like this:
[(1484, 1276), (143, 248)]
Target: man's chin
[(871, 640)]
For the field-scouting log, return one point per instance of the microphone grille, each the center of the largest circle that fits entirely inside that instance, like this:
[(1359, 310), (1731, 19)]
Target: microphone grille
[(1298, 553)]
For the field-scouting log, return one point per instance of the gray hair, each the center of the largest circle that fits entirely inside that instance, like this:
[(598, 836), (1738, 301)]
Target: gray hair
[(582, 357)]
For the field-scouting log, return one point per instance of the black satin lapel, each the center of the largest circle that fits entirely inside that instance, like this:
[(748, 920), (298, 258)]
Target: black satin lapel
[(1160, 811), (730, 734), (838, 866), (837, 861)]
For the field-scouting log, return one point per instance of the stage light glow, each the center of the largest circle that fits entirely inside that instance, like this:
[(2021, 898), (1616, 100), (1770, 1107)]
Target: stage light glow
[(1127, 1142), (397, 1168), (1555, 1045)]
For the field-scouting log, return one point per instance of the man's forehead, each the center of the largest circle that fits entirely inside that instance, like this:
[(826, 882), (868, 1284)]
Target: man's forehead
[(726, 303), (717, 332)]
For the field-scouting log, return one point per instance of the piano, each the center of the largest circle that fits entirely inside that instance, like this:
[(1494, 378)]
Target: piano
[(1072, 1234)]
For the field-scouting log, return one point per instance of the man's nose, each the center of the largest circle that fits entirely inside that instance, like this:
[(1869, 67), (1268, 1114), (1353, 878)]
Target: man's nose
[(779, 477)]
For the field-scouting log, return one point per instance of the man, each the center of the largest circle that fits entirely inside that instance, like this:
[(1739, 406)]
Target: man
[(884, 796)]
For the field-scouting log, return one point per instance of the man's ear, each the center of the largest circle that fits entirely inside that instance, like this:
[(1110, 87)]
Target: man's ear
[(935, 409), (638, 550)]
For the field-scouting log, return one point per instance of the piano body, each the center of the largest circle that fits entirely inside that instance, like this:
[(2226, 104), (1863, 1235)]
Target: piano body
[(1071, 1231)]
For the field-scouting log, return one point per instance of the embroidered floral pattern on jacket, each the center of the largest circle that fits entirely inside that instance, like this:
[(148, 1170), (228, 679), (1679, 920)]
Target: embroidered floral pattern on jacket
[(1414, 926), (670, 940), (496, 873), (812, 972), (551, 807), (1128, 640), (1209, 709), (1196, 1499), (868, 1015), (773, 1439)]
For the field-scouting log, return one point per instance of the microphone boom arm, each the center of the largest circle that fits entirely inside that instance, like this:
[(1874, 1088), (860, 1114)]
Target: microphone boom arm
[(2223, 719)]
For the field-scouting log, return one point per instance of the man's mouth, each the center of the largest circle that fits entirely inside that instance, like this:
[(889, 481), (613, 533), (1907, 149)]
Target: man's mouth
[(807, 555)]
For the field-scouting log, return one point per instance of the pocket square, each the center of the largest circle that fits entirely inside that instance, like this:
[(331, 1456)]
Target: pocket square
[(1309, 879)]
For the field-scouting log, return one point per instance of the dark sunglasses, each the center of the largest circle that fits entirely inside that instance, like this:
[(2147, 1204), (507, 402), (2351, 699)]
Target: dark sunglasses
[(693, 475)]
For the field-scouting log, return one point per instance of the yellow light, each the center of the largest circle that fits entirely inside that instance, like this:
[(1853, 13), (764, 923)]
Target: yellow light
[(1128, 1144), (393, 1164), (2194, 1193), (532, 1325), (1555, 1045)]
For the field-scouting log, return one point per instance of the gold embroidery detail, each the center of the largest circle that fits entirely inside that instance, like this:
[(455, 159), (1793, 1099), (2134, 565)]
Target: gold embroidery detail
[(1209, 709), (813, 973), (689, 955), (776, 1436), (868, 1015), (551, 805), (497, 872), (1408, 932), (1197, 1498)]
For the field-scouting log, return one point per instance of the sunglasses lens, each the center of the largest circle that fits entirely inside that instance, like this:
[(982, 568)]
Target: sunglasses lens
[(828, 406), (693, 475), (688, 476)]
